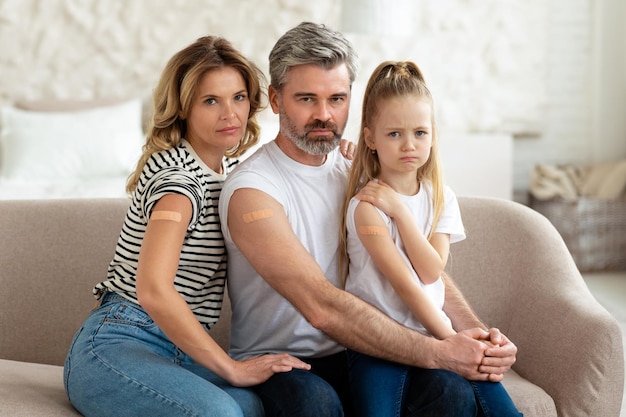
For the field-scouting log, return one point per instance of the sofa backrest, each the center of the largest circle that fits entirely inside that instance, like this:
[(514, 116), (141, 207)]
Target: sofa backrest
[(513, 268), (52, 253), (509, 248)]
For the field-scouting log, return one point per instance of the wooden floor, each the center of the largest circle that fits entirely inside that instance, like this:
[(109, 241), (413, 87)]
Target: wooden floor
[(609, 288)]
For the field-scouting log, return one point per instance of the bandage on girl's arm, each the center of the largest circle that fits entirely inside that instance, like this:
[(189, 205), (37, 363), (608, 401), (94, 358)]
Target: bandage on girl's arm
[(372, 231), (376, 239)]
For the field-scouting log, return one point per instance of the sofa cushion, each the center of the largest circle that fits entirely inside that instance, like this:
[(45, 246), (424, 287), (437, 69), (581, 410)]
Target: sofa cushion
[(29, 389), (33, 390)]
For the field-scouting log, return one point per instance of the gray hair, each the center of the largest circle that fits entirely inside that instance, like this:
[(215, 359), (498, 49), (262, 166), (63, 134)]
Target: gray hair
[(310, 43)]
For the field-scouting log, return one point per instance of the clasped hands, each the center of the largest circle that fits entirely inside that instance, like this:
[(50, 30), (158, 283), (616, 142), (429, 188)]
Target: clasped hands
[(478, 354)]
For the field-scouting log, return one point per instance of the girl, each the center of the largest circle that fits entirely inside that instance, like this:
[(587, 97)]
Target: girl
[(145, 350), (399, 221)]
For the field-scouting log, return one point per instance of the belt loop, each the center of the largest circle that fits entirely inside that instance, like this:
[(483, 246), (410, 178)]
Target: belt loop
[(103, 299)]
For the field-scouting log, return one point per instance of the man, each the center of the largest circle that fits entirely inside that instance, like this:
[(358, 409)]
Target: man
[(280, 213)]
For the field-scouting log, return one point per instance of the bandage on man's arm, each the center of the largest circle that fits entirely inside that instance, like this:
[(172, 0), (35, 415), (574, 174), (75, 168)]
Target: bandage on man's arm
[(256, 215), (277, 254)]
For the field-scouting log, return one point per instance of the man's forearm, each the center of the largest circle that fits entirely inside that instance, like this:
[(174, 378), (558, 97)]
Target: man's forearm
[(458, 309), (361, 327)]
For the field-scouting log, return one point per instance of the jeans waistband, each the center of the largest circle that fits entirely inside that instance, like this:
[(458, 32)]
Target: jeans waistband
[(110, 296)]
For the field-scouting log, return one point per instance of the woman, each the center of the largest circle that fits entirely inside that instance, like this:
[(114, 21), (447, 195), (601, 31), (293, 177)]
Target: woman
[(145, 349)]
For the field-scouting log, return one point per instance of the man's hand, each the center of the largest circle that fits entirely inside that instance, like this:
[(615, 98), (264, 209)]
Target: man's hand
[(477, 355), (499, 356), (463, 353)]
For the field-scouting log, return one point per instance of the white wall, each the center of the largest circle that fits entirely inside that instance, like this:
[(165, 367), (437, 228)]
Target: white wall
[(585, 119), (521, 67), (609, 83)]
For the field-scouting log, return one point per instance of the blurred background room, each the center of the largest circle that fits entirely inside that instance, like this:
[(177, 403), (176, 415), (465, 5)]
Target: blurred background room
[(517, 83), (530, 96)]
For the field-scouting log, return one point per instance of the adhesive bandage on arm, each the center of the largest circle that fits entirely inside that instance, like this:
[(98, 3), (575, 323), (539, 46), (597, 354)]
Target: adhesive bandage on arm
[(373, 231), (253, 216), (167, 215)]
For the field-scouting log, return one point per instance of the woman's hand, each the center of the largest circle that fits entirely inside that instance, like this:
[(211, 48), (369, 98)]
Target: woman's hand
[(258, 369), (347, 148)]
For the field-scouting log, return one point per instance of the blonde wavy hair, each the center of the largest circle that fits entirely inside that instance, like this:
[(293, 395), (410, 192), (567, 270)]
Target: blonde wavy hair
[(390, 79), (174, 94)]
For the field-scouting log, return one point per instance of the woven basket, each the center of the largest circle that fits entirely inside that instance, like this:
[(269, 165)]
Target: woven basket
[(594, 230)]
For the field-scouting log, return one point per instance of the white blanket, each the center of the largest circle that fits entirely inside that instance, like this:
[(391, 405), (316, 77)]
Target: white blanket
[(604, 180)]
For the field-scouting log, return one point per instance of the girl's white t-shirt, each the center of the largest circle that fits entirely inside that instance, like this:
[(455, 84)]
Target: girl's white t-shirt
[(367, 282)]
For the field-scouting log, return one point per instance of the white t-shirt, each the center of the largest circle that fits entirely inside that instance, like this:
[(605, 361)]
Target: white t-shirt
[(365, 279), (263, 321)]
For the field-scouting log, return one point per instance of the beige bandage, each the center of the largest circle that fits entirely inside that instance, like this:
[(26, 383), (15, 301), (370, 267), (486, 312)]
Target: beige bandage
[(166, 215), (373, 231), (258, 215)]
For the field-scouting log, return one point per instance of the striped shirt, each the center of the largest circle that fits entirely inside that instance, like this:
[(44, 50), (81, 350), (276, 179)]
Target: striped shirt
[(201, 275)]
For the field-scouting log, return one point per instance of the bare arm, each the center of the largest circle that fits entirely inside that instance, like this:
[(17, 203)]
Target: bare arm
[(374, 235), (428, 257), (500, 355), (158, 264), (342, 316), (458, 309), (278, 256)]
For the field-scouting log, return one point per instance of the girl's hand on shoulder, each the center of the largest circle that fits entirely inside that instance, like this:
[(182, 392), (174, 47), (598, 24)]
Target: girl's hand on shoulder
[(258, 369), (382, 196)]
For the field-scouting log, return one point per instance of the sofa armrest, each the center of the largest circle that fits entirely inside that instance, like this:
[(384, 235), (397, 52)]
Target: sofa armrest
[(517, 273)]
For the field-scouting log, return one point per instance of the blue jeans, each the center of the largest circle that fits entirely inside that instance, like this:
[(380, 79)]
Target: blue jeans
[(121, 364), (322, 391), (385, 389)]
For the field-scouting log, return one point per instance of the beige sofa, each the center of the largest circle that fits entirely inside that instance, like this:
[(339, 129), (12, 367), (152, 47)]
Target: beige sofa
[(514, 268)]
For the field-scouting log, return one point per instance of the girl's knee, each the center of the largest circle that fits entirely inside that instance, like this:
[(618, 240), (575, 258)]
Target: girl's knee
[(439, 392)]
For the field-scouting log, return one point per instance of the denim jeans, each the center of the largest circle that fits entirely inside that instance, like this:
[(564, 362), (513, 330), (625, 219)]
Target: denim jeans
[(385, 389), (322, 391), (493, 399), (121, 364)]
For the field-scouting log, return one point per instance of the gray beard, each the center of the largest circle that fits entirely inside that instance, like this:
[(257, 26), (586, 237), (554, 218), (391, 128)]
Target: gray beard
[(316, 145)]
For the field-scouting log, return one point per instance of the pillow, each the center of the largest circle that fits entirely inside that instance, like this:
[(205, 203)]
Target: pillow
[(614, 184), (75, 105), (596, 175), (93, 143), (65, 105)]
